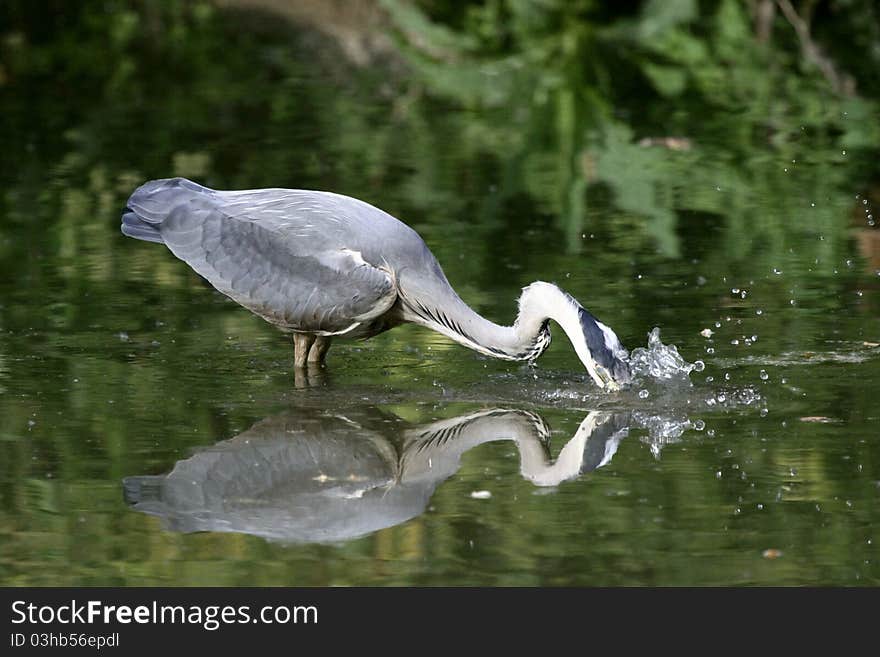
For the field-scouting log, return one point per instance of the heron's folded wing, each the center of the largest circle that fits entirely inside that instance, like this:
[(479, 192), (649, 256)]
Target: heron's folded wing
[(283, 268)]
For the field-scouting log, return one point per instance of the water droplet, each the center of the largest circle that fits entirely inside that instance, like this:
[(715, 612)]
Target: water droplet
[(764, 376), (734, 342), (759, 312), (643, 394), (843, 152), (699, 425), (710, 379), (699, 366), (777, 271), (718, 474), (727, 376), (721, 397), (812, 205), (711, 350)]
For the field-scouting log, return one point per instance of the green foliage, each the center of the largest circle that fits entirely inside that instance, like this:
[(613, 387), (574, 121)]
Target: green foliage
[(571, 73), (626, 151)]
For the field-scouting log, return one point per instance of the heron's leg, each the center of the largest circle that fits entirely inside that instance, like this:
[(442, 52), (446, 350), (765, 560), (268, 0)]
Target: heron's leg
[(302, 342), (318, 352), (300, 378)]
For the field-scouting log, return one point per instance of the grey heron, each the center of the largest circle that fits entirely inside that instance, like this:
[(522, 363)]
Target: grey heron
[(316, 477), (321, 265)]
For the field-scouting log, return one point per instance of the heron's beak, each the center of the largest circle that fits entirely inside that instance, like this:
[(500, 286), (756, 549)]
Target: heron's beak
[(612, 382), (611, 385)]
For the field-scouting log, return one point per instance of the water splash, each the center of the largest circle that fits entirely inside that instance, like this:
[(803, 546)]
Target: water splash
[(660, 361), (662, 430)]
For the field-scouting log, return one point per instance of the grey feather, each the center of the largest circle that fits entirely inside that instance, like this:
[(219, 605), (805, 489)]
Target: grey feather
[(322, 263), (287, 255)]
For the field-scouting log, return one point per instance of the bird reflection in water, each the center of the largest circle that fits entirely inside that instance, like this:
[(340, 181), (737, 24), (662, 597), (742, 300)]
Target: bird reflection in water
[(317, 477)]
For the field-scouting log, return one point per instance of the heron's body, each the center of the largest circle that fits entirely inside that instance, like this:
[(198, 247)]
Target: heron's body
[(319, 265)]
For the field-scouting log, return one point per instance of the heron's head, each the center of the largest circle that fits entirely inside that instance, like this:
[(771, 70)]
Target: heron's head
[(606, 359), (597, 346)]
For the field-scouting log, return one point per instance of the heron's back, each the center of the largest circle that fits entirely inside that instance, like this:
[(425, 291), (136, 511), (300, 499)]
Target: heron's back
[(310, 220), (305, 260)]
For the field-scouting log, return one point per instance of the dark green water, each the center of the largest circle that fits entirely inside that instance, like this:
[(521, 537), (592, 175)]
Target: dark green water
[(410, 460)]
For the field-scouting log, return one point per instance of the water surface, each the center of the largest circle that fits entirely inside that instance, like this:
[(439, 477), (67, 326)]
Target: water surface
[(153, 433)]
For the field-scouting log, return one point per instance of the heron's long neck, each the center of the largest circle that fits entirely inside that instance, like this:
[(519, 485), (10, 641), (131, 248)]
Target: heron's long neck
[(526, 339)]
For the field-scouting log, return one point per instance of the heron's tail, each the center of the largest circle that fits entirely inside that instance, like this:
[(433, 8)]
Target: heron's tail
[(151, 204), (137, 490)]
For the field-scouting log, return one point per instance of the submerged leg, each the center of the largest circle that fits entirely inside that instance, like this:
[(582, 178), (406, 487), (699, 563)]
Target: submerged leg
[(312, 376), (302, 342), (318, 352)]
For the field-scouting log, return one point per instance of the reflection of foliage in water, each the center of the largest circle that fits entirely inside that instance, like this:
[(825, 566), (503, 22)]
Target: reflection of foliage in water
[(574, 98)]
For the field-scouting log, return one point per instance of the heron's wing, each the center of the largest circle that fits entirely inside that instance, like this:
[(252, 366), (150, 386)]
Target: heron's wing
[(286, 256)]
